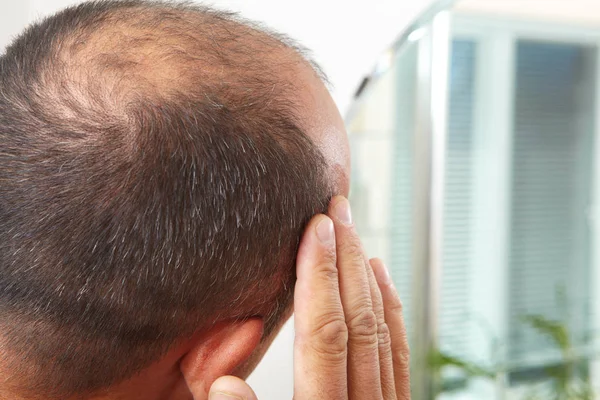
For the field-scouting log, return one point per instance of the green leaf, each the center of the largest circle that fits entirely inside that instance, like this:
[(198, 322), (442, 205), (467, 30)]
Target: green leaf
[(554, 330), (439, 360)]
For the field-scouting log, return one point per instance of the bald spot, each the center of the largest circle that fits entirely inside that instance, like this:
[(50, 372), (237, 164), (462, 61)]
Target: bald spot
[(137, 54)]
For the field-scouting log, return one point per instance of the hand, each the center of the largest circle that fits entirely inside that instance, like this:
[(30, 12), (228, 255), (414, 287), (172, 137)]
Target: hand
[(350, 337)]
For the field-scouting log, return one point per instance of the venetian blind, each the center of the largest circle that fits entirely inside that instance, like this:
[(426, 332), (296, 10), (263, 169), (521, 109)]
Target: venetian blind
[(549, 251), (456, 266)]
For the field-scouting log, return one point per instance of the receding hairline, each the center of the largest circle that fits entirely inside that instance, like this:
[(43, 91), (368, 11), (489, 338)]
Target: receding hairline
[(149, 48), (227, 17)]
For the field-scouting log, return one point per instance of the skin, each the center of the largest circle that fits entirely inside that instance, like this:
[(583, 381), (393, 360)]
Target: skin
[(350, 336)]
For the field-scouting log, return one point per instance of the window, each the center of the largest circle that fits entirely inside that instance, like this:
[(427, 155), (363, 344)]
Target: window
[(549, 264), (519, 186)]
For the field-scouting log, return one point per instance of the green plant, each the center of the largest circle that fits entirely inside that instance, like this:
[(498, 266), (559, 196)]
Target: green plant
[(568, 381)]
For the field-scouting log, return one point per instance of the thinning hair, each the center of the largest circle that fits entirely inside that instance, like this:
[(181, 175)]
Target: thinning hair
[(154, 179)]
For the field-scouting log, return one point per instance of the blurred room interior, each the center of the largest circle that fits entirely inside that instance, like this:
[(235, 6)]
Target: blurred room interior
[(476, 177), (476, 174)]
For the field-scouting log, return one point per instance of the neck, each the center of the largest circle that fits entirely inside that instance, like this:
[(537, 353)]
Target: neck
[(160, 381)]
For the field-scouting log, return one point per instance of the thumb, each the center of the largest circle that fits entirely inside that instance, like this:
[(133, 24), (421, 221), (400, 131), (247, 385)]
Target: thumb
[(231, 388)]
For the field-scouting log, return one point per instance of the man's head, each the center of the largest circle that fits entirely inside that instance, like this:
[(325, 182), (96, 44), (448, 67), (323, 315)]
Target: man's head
[(158, 163)]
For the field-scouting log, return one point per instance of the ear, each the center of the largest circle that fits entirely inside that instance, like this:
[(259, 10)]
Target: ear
[(218, 352)]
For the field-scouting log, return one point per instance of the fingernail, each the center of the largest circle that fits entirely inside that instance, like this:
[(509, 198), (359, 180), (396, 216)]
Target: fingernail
[(325, 231), (342, 212), (382, 274), (224, 396)]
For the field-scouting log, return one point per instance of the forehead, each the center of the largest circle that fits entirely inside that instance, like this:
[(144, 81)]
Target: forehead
[(321, 120)]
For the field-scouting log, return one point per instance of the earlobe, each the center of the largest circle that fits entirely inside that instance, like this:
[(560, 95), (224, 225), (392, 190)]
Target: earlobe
[(218, 352)]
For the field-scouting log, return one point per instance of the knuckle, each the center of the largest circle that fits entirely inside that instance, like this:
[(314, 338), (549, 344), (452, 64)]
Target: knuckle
[(383, 335), (401, 359), (363, 327), (351, 246), (330, 339), (328, 256), (395, 305), (327, 270)]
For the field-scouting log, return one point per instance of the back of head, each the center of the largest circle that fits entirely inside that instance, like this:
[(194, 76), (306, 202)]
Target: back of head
[(154, 179)]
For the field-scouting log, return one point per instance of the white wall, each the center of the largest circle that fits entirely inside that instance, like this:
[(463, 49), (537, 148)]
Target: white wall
[(346, 37), (581, 12), (13, 17)]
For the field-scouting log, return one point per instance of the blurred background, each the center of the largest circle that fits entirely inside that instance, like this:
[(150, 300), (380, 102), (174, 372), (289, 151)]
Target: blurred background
[(475, 170), (476, 177)]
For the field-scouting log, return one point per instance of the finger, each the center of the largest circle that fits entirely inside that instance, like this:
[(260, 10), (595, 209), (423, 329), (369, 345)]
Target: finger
[(386, 366), (395, 322), (230, 388), (363, 353), (321, 335)]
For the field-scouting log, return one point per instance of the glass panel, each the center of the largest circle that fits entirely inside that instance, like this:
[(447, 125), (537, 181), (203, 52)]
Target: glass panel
[(456, 268), (402, 194)]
